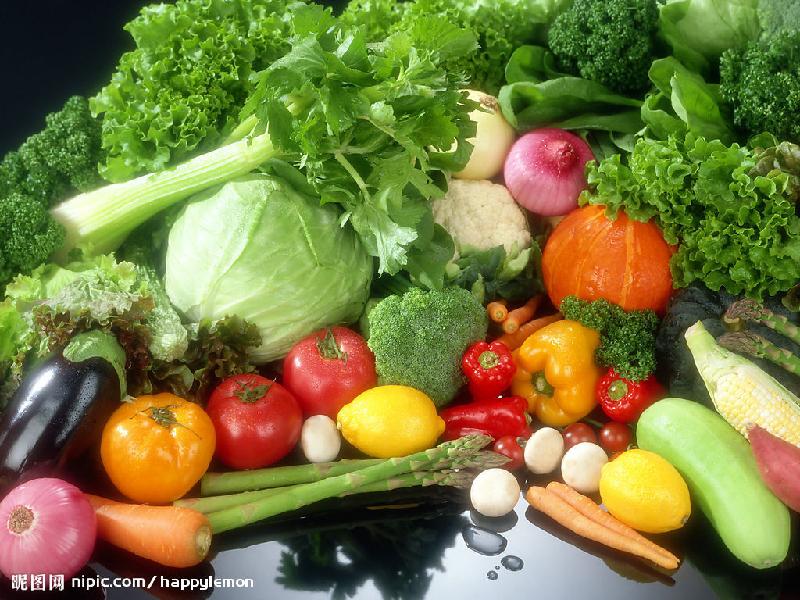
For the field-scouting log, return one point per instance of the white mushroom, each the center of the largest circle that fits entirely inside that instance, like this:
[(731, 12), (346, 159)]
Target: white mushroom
[(320, 439), (494, 493), (544, 450), (581, 467)]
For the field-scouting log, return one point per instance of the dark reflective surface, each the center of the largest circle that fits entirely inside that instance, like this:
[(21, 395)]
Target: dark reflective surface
[(368, 549)]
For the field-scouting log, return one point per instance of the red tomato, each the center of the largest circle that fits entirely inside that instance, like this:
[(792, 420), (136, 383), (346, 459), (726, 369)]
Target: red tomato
[(328, 369), (615, 437), (508, 446), (577, 433), (257, 421)]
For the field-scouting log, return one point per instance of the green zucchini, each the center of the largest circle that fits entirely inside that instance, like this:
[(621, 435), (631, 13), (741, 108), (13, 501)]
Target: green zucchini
[(722, 476)]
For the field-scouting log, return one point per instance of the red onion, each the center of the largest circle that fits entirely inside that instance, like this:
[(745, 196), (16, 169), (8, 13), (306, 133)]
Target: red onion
[(545, 171), (48, 528)]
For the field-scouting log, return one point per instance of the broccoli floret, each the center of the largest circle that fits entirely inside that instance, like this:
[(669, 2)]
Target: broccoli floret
[(607, 41), (418, 339), (58, 160), (762, 83), (776, 16), (627, 338)]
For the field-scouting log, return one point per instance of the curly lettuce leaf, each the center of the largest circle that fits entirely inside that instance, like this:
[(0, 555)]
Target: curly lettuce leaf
[(736, 229)]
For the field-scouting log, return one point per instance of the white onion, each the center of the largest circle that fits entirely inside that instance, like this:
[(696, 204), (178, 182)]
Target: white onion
[(48, 528), (545, 171), (492, 141)]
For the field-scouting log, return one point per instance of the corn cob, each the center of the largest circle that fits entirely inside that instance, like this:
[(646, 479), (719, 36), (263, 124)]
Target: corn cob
[(742, 393)]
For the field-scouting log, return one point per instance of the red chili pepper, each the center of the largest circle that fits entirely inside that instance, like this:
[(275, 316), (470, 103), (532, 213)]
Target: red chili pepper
[(489, 369), (497, 418), (624, 400)]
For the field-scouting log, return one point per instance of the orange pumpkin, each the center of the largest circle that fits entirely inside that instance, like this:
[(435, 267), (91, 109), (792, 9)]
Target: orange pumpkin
[(624, 261)]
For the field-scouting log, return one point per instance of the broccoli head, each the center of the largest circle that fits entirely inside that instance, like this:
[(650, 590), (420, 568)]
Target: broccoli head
[(627, 339), (51, 164), (762, 83), (418, 339), (611, 42)]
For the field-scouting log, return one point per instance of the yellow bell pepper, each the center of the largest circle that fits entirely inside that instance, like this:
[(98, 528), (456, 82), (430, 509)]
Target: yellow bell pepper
[(556, 372)]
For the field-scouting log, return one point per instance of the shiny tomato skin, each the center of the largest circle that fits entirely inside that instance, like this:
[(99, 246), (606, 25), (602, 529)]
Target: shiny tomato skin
[(615, 437), (257, 420), (578, 432), (509, 446), (323, 385)]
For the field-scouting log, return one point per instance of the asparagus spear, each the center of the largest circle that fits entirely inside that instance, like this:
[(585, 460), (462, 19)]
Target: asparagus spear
[(750, 310), (755, 345), (452, 478), (214, 484), (257, 510)]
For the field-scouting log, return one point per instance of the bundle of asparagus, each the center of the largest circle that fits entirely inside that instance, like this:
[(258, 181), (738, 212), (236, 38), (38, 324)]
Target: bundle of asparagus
[(238, 499)]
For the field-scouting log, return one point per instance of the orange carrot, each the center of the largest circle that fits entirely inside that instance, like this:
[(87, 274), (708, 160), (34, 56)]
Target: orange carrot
[(566, 515), (515, 340), (589, 509), (521, 315), (169, 535), (497, 311)]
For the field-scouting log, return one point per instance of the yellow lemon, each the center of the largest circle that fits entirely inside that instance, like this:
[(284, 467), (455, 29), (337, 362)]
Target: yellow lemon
[(390, 420), (645, 492)]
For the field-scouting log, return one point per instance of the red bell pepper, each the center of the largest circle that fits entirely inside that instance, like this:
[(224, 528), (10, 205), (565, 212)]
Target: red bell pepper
[(624, 400), (498, 418), (489, 369)]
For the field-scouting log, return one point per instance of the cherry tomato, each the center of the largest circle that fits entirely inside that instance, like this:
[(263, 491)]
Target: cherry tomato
[(576, 433), (258, 421), (508, 446), (327, 369), (615, 437)]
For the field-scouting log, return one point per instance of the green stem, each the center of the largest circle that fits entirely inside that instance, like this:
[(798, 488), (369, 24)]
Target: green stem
[(750, 310), (102, 218), (258, 510), (214, 484), (755, 345)]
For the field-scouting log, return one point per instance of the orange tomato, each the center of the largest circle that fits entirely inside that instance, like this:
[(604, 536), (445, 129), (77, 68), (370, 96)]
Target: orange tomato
[(156, 448)]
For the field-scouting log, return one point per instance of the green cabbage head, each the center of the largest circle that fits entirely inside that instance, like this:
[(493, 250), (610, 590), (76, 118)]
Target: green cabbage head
[(259, 249)]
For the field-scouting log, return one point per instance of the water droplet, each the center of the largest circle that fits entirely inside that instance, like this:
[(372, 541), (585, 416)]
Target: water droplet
[(492, 575), (497, 567), (512, 563), (484, 541)]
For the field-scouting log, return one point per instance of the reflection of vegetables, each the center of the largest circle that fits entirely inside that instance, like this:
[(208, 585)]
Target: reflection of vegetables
[(489, 369), (761, 82), (596, 525), (156, 448), (320, 439), (700, 30), (608, 41), (544, 451), (169, 535), (627, 338), (556, 373), (494, 417), (219, 245), (742, 393), (491, 142), (418, 339), (257, 421), (301, 496), (545, 171), (736, 229), (622, 399), (582, 465), (494, 493), (779, 465), (722, 476), (58, 160), (390, 420), (48, 528), (581, 515), (327, 369), (481, 215), (622, 260), (56, 414)]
